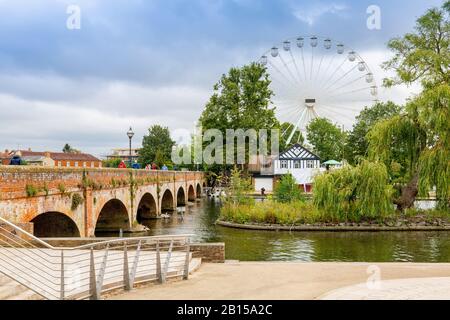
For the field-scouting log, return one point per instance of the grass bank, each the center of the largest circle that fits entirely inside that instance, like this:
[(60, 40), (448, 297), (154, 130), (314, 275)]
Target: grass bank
[(299, 213)]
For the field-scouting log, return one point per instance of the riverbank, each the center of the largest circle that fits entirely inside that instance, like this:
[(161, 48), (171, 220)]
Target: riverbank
[(342, 227), (288, 280), (306, 216)]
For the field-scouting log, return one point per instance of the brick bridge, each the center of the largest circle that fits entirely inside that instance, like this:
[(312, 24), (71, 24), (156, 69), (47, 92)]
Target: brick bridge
[(60, 202)]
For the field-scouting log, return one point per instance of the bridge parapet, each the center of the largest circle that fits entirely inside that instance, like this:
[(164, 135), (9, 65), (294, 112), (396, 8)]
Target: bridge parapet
[(27, 181)]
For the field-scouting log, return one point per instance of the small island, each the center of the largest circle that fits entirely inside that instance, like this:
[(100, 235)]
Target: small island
[(353, 205)]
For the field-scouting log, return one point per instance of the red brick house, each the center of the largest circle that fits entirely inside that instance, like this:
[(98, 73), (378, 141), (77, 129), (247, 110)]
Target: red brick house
[(66, 160), (5, 157)]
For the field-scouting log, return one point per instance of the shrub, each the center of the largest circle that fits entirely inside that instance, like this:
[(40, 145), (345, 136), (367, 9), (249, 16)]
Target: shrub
[(287, 189), (112, 163), (62, 188), (76, 201), (239, 187), (271, 212), (30, 190), (45, 189)]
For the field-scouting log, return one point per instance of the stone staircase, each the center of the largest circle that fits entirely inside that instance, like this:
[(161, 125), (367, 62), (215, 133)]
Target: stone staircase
[(12, 290)]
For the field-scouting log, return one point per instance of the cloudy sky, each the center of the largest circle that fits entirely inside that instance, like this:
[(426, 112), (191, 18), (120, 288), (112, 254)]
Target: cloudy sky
[(143, 62)]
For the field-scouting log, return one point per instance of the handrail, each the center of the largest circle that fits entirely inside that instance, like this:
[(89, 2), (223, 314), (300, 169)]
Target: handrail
[(88, 270), (26, 233), (160, 237), (47, 245)]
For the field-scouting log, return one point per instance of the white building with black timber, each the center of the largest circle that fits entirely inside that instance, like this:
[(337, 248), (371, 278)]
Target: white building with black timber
[(300, 162)]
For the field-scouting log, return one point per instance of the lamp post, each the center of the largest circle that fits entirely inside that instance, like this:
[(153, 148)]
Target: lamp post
[(130, 135)]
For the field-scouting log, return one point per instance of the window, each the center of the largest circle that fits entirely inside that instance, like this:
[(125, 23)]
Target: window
[(297, 164), (84, 164), (67, 163), (284, 164), (310, 164), (92, 164), (59, 163), (76, 163)]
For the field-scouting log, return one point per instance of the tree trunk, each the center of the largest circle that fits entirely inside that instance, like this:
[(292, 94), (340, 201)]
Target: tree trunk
[(409, 193)]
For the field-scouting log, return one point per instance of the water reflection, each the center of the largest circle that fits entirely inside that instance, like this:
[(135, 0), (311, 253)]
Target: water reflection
[(248, 245)]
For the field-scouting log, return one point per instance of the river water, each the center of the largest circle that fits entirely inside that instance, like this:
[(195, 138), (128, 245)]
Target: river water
[(249, 245)]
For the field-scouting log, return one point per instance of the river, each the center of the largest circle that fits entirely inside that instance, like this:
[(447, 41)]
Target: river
[(248, 245)]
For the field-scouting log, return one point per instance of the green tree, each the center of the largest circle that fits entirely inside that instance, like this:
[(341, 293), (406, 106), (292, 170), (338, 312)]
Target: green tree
[(326, 138), (156, 146), (356, 146), (287, 189), (111, 163), (423, 130), (68, 149), (423, 55), (241, 100), (238, 188), (354, 193)]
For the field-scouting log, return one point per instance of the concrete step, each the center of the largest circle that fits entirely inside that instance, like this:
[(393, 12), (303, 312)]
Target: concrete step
[(26, 295), (4, 280), (194, 264), (12, 290)]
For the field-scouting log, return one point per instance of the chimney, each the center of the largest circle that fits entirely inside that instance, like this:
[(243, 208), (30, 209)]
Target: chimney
[(47, 154), (29, 149)]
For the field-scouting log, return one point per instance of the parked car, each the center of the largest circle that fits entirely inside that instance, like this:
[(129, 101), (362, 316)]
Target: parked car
[(15, 161)]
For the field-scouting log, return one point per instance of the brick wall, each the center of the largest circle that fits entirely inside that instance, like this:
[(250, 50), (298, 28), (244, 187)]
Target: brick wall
[(209, 252), (14, 179)]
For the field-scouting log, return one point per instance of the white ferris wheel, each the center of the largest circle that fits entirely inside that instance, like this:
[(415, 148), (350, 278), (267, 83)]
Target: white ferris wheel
[(317, 77)]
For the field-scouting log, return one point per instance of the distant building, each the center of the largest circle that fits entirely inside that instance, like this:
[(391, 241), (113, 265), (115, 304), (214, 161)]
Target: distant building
[(42, 161), (297, 160), (58, 159), (5, 157), (124, 155), (301, 163)]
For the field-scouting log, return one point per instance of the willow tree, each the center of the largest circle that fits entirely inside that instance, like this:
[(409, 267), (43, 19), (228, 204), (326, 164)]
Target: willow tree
[(354, 193), (421, 134)]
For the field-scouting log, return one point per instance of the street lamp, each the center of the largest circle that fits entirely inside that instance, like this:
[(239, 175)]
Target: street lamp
[(130, 135)]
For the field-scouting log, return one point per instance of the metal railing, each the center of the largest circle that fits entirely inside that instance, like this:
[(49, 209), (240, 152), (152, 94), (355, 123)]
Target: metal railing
[(89, 270)]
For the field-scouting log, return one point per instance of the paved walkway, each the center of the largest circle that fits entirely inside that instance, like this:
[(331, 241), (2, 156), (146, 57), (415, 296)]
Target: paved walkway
[(297, 280), (403, 289)]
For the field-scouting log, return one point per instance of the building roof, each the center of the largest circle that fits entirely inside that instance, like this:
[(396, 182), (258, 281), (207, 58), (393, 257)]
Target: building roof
[(4, 155), (60, 156), (298, 152)]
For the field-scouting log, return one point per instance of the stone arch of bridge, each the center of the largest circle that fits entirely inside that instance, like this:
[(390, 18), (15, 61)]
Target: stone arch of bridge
[(54, 224), (112, 218), (198, 192), (167, 201), (191, 193), (147, 208), (181, 197)]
